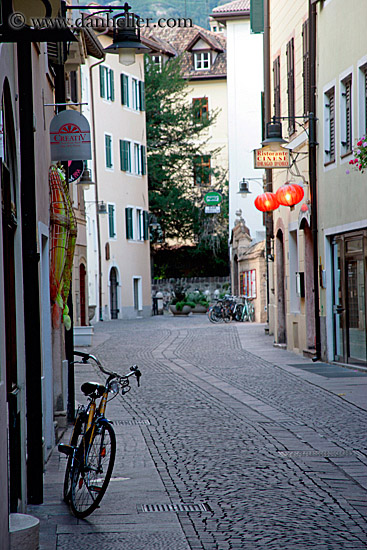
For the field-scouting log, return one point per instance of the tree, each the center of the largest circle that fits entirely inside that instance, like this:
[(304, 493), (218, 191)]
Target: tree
[(175, 142)]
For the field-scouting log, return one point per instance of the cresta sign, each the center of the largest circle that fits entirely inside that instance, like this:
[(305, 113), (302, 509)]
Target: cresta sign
[(70, 137), (267, 157)]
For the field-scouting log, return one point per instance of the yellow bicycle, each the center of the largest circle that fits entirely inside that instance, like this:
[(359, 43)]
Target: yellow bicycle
[(92, 448)]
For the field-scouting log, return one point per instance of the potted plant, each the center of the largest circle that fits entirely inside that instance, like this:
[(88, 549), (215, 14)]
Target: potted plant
[(200, 302)]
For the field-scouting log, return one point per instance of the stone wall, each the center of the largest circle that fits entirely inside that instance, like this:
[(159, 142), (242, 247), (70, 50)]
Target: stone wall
[(192, 283)]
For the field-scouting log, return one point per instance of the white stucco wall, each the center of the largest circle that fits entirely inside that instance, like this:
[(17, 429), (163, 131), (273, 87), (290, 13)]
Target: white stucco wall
[(244, 85)]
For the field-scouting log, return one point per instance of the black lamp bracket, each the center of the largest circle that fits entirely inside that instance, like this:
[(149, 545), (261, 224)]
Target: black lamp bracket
[(310, 130)]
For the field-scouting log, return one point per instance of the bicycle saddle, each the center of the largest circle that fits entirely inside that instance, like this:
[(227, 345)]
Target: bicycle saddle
[(88, 388)]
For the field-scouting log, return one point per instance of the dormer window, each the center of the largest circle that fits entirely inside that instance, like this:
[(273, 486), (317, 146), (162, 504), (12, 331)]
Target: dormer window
[(157, 60), (201, 61)]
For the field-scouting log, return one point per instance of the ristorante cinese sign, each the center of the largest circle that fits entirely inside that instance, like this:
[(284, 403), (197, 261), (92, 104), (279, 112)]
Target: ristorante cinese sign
[(70, 137), (266, 157)]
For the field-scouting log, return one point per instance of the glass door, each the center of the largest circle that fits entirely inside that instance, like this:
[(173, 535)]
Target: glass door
[(338, 306), (349, 298)]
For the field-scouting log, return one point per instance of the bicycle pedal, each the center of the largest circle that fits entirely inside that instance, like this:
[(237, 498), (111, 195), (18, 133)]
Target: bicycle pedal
[(95, 488), (65, 449)]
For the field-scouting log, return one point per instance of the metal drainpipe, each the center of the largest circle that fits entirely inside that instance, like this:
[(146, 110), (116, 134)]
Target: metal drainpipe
[(32, 320), (96, 188), (313, 174)]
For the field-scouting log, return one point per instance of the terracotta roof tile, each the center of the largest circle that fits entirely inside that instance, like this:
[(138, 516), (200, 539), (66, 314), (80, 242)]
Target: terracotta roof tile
[(178, 39), (237, 5)]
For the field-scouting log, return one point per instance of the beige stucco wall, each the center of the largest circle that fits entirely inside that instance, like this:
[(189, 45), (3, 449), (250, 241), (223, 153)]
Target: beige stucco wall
[(286, 22), (216, 92), (130, 258)]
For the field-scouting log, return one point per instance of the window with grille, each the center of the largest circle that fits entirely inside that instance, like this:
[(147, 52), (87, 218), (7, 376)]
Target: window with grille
[(290, 86), (276, 79), (329, 126), (200, 105), (346, 116), (202, 61), (202, 172), (306, 66)]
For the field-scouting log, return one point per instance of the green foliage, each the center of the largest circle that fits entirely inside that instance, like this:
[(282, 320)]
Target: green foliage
[(174, 139)]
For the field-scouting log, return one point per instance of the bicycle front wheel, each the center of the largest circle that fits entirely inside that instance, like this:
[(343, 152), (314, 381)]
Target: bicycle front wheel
[(251, 313), (92, 469)]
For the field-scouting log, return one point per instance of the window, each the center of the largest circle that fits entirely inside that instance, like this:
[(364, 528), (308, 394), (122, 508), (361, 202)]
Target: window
[(329, 126), (202, 174), (125, 155), (108, 151), (135, 94), (139, 225), (200, 106), (73, 79), (125, 90), (306, 66), (346, 116), (137, 159), (106, 83), (276, 80), (202, 61), (111, 221), (157, 60), (362, 101), (248, 283), (290, 87)]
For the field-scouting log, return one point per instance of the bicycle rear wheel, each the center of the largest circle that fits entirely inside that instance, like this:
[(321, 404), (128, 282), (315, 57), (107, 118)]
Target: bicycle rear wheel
[(92, 469), (74, 442), (238, 312), (251, 313)]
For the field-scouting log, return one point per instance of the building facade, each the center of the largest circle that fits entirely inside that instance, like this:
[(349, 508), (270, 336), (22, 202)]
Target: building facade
[(120, 288), (244, 89), (342, 196)]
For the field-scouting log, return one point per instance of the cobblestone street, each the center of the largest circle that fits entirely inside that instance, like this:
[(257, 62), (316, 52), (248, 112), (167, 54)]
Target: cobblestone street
[(267, 448)]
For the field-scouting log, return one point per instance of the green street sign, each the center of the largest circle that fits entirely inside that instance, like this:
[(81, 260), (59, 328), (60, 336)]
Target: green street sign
[(213, 198)]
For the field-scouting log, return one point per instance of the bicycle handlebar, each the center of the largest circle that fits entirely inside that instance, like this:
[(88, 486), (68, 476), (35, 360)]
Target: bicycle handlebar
[(134, 370)]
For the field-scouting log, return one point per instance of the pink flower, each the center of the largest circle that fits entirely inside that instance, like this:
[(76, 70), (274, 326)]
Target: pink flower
[(347, 172), (359, 143), (360, 167)]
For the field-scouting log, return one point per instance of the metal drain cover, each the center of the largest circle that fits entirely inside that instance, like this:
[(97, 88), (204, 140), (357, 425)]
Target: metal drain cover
[(326, 454), (201, 507), (131, 422)]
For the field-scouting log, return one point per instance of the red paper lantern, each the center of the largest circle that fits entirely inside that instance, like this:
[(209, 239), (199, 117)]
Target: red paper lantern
[(290, 194), (266, 202)]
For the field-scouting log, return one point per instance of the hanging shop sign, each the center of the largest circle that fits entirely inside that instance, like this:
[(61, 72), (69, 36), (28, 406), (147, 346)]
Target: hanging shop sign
[(267, 157), (75, 169), (70, 137), (212, 198), (212, 209)]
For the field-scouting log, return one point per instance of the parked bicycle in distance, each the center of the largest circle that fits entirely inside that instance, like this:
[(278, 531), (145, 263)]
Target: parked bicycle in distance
[(232, 307), (92, 448)]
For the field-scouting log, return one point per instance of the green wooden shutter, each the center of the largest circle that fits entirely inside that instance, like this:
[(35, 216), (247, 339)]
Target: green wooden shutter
[(102, 82), (125, 155), (129, 223), (146, 225), (143, 160), (257, 16), (108, 151), (112, 85), (111, 220), (142, 95), (122, 166), (125, 90)]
